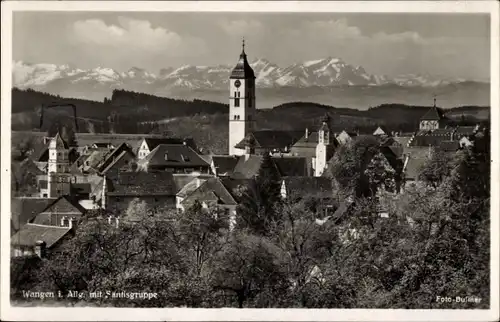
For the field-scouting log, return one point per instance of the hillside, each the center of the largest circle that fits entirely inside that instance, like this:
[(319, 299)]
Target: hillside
[(206, 122)]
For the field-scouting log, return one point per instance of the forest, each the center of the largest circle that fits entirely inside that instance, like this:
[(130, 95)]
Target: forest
[(285, 252)]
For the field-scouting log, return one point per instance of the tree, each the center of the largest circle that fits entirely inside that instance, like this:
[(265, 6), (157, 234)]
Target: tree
[(348, 166), (250, 268), (259, 209), (437, 168)]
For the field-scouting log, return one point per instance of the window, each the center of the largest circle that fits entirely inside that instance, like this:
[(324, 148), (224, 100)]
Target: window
[(236, 102), (45, 195)]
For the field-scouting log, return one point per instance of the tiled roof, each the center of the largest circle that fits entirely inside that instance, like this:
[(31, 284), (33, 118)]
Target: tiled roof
[(190, 187), (434, 138), (286, 166), (182, 179), (403, 140), (29, 234), (247, 168), (308, 185), (25, 209), (224, 164), (395, 162), (115, 153), (291, 166), (209, 191), (465, 130), (310, 141), (272, 139), (413, 167), (142, 183), (449, 146), (154, 142), (64, 205), (80, 188), (236, 186), (433, 114), (242, 70), (174, 155)]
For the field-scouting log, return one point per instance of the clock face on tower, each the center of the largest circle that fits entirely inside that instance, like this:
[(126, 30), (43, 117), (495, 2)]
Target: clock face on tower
[(237, 83)]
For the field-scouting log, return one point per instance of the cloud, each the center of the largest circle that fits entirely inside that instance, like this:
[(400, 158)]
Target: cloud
[(131, 37), (240, 28), (337, 29)]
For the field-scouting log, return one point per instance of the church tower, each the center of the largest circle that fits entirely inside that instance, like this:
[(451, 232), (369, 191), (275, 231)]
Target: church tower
[(241, 103), (58, 179), (325, 147)]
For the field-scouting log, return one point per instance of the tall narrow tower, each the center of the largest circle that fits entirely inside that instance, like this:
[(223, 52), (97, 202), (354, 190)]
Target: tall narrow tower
[(58, 180), (325, 147), (241, 103)]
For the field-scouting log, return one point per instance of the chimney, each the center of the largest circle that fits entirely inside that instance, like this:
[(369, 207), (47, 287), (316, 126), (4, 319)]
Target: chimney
[(307, 133), (103, 197), (40, 248), (72, 222), (166, 156), (198, 182)]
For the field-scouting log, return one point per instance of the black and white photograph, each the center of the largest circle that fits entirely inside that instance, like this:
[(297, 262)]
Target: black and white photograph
[(237, 157)]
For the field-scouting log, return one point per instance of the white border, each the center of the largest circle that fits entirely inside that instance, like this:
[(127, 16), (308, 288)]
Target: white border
[(109, 314)]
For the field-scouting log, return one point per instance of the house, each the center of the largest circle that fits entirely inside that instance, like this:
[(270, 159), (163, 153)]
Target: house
[(306, 145), (273, 141), (248, 166), (24, 209), (38, 240), (147, 145), (175, 158), (411, 170), (118, 157), (433, 119), (302, 188), (157, 189), (345, 137), (65, 211), (382, 130), (223, 193), (223, 165)]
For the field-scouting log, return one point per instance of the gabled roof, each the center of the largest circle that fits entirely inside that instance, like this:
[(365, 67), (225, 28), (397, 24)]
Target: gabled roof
[(25, 209), (242, 70), (190, 187), (310, 142), (30, 234), (413, 167), (465, 130), (142, 184), (209, 191), (272, 139), (224, 164), (182, 179), (393, 159), (300, 186), (433, 114), (236, 186), (154, 142), (60, 143), (382, 128), (174, 155), (247, 168), (291, 166), (65, 205)]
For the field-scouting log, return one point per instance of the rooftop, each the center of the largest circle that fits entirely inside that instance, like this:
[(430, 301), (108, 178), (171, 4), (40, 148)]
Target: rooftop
[(30, 234)]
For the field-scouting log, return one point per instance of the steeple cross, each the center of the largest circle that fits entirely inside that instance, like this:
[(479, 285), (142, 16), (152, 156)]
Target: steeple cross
[(243, 44)]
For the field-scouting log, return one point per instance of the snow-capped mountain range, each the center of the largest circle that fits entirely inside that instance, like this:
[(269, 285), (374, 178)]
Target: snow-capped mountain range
[(321, 72)]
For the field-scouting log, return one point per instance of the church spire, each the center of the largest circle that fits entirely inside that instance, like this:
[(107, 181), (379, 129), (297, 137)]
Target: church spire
[(243, 46)]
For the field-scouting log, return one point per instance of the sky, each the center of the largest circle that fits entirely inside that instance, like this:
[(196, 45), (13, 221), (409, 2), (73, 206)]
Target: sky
[(447, 45)]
